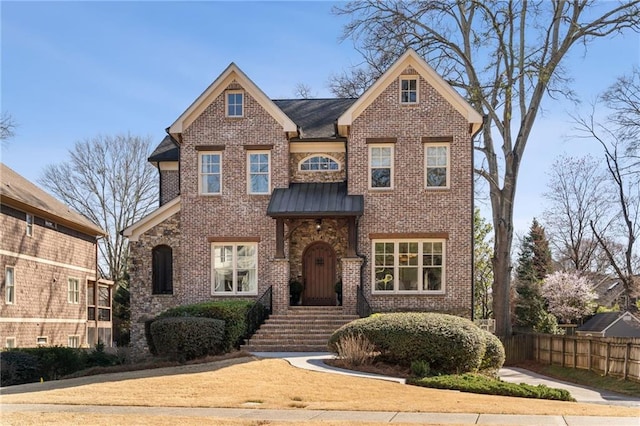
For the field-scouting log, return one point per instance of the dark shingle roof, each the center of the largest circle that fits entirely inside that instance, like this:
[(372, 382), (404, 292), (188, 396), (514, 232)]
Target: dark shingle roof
[(17, 191), (315, 117), (315, 199), (600, 321), (168, 150)]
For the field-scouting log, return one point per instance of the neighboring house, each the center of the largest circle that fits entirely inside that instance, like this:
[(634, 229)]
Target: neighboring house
[(611, 324), (376, 192), (48, 257), (609, 291)]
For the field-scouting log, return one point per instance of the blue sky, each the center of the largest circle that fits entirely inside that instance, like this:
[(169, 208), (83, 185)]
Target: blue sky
[(74, 70)]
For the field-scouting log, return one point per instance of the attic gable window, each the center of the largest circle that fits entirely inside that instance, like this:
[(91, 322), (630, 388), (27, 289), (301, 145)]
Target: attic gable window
[(318, 163), (409, 90), (235, 103)]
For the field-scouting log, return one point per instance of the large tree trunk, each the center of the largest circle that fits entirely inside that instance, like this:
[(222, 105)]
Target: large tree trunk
[(503, 225)]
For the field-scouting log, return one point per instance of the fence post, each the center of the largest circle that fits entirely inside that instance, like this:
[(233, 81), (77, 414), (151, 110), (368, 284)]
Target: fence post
[(626, 360), (575, 352), (606, 360), (589, 355), (564, 339), (538, 348)]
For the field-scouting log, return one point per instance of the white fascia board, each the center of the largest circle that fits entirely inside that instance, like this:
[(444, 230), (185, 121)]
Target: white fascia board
[(134, 231)]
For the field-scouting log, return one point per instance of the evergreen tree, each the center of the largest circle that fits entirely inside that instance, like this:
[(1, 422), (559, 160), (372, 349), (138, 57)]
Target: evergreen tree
[(533, 265)]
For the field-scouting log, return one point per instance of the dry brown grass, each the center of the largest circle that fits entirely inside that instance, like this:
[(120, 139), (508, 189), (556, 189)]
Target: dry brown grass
[(273, 383)]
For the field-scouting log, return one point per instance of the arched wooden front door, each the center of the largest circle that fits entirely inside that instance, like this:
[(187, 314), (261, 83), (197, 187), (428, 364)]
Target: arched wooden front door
[(319, 274)]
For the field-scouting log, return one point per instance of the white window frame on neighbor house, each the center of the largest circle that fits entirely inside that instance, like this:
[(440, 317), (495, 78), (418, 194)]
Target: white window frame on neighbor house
[(231, 104), (251, 172), (406, 91), (73, 341), (375, 160), (73, 290), (41, 340), (228, 270), (10, 285), (434, 160), (202, 174), (388, 264), (29, 223), (10, 342), (324, 163)]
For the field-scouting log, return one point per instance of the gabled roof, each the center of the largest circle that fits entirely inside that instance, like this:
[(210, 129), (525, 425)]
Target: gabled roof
[(231, 73), (18, 192), (168, 150), (316, 118), (602, 321), (411, 58), (315, 199), (154, 218)]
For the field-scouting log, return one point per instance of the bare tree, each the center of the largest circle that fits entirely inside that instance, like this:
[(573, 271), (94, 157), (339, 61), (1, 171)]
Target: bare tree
[(505, 55), (109, 180), (577, 195), (303, 91), (623, 97), (7, 127)]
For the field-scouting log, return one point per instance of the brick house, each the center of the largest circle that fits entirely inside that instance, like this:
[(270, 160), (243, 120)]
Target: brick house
[(50, 295), (375, 192)]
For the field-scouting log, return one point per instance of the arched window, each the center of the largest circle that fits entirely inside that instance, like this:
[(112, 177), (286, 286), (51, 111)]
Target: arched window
[(316, 163), (162, 274)]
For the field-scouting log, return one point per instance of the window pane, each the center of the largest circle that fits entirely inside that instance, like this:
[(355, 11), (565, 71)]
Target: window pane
[(260, 184), (384, 279), (223, 280), (90, 295), (103, 297), (432, 279), (408, 278), (381, 178), (211, 184), (437, 177)]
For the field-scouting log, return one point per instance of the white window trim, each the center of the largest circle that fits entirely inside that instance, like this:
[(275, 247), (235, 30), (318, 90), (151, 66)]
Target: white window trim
[(13, 285), (409, 78), (226, 103), (448, 166), (235, 291), (249, 153), (320, 170), (76, 300), (29, 219), (392, 171), (7, 343), (200, 174), (42, 340), (395, 290), (73, 336)]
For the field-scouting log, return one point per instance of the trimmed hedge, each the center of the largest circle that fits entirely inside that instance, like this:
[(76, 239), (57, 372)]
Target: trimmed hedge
[(232, 312), (57, 361), (450, 344), (18, 367), (494, 354), (477, 383), (185, 338)]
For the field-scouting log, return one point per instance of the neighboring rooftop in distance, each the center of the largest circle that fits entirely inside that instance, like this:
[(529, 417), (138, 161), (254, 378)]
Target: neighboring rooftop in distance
[(20, 193)]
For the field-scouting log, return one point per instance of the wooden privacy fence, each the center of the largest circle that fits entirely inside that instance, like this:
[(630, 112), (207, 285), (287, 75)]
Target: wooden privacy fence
[(609, 356)]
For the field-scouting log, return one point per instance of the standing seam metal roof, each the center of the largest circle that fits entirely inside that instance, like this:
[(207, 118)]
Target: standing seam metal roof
[(315, 199)]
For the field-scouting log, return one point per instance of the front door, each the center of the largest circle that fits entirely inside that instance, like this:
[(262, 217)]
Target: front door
[(319, 274)]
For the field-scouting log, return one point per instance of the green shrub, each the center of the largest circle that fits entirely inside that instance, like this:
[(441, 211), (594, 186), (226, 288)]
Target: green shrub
[(185, 338), (17, 367), (494, 355), (147, 336), (232, 312), (99, 358), (450, 344), (57, 361), (477, 383), (420, 368)]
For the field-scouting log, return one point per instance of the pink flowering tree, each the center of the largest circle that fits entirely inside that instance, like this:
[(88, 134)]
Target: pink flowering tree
[(569, 296)]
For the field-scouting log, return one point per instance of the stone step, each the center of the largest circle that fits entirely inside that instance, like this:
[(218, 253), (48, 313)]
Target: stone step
[(281, 341), (285, 348)]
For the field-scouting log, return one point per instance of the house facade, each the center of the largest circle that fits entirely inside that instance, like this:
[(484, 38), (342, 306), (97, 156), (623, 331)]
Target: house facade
[(375, 192), (50, 295)]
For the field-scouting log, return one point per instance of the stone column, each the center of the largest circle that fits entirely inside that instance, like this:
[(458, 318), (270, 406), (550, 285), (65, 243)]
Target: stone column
[(350, 282), (280, 274)]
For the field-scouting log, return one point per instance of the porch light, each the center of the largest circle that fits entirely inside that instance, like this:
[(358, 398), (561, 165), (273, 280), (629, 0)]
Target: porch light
[(318, 225)]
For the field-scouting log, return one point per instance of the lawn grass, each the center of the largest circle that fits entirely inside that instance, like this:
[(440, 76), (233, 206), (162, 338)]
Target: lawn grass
[(585, 378)]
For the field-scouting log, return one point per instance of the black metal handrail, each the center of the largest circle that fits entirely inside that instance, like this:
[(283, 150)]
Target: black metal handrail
[(362, 307), (259, 312)]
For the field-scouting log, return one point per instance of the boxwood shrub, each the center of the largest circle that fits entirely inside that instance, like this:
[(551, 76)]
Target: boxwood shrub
[(232, 312), (185, 338), (494, 354), (450, 344)]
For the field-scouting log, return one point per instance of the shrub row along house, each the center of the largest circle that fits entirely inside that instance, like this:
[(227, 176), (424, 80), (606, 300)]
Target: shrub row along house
[(48, 262), (375, 192)]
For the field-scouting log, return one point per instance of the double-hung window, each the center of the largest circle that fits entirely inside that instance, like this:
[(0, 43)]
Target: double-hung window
[(408, 90), (73, 341), (9, 285), (235, 103), (210, 173), (73, 291), (258, 171), (381, 166), (436, 165), (234, 268), (409, 266)]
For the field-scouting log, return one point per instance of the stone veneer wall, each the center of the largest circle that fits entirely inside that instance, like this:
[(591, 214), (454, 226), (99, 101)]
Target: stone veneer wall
[(144, 304), (409, 207), (316, 176)]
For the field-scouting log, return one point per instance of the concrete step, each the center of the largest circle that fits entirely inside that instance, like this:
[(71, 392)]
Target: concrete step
[(285, 348)]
